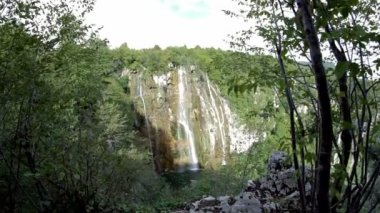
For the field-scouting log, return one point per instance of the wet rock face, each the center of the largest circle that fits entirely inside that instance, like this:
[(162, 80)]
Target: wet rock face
[(187, 121), (275, 192)]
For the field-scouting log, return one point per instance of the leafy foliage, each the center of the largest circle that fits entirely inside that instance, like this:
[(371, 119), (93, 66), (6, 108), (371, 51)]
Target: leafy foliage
[(66, 137), (67, 141), (348, 33)]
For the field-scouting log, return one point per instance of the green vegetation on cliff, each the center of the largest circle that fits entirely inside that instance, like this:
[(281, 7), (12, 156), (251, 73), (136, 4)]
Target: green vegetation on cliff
[(229, 70)]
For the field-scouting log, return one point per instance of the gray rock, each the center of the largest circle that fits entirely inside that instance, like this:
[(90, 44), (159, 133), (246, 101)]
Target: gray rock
[(293, 195), (270, 207), (277, 161), (224, 199), (208, 201), (225, 208), (247, 206), (308, 188)]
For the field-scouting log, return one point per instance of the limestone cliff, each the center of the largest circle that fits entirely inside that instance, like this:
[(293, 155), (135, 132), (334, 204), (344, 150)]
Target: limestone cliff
[(187, 121)]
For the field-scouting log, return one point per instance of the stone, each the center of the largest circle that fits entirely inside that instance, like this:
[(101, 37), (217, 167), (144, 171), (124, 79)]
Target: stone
[(308, 188), (224, 199), (277, 161), (270, 207), (189, 206), (224, 208), (125, 72), (247, 205), (250, 183), (208, 201), (231, 201)]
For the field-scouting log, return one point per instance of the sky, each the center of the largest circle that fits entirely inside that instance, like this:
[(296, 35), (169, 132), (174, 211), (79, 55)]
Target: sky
[(145, 23)]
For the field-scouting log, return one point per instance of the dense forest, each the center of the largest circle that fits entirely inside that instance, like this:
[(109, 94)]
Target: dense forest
[(73, 138)]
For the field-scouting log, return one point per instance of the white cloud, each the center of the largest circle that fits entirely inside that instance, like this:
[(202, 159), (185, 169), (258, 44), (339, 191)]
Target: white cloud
[(145, 23)]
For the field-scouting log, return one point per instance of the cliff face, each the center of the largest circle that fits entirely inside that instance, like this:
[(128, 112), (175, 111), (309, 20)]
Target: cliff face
[(188, 123)]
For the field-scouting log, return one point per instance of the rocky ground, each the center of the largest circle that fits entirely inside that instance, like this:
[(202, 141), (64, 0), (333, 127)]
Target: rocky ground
[(275, 192)]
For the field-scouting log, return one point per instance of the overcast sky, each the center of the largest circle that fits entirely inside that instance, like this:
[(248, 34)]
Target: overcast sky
[(145, 23)]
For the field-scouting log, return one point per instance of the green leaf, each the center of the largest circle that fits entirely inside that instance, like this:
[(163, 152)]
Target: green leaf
[(346, 125), (284, 52), (341, 69), (354, 69), (353, 2), (309, 157), (345, 11), (28, 174)]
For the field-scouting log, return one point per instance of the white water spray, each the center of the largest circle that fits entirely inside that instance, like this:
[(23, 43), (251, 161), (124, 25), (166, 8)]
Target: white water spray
[(219, 116), (183, 117)]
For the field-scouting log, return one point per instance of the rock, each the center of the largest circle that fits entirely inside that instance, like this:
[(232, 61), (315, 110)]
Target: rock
[(277, 161), (270, 207), (224, 208), (250, 183), (308, 188), (247, 205), (231, 201), (125, 72), (189, 206), (224, 200), (208, 201), (275, 192)]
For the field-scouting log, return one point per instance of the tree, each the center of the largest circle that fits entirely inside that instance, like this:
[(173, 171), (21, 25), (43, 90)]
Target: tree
[(54, 149), (345, 27), (326, 131)]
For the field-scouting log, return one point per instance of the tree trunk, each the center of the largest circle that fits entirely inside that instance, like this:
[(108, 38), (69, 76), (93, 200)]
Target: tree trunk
[(345, 111), (326, 131), (292, 108)]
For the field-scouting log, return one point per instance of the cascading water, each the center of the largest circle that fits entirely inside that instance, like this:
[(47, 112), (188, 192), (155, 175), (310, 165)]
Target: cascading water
[(209, 118), (183, 118), (241, 139), (190, 122), (218, 114), (140, 93)]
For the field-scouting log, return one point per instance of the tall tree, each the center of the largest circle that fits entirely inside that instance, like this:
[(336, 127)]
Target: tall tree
[(309, 28), (326, 127)]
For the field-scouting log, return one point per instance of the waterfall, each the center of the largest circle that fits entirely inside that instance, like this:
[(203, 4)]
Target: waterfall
[(241, 138), (188, 122), (218, 114), (214, 117), (141, 95), (209, 119), (183, 117)]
